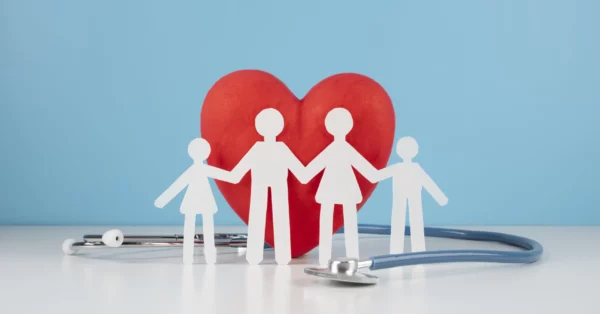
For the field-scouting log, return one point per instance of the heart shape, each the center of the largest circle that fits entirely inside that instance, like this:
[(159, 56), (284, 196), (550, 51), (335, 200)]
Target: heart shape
[(227, 123)]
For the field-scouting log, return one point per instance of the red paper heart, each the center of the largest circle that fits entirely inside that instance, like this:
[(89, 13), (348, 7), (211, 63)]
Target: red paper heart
[(227, 123)]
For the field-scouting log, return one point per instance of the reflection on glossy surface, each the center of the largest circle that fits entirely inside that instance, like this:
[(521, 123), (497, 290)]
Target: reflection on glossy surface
[(112, 285), (153, 281), (198, 285), (409, 286), (208, 301), (188, 289), (333, 297), (417, 284), (282, 289), (254, 289)]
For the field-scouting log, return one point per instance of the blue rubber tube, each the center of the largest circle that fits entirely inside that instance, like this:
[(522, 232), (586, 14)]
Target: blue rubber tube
[(532, 250)]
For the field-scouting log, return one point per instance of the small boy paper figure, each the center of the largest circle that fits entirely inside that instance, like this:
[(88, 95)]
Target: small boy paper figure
[(408, 181), (338, 184), (198, 199)]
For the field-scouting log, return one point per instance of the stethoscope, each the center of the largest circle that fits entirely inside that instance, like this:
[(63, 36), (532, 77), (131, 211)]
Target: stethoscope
[(347, 269)]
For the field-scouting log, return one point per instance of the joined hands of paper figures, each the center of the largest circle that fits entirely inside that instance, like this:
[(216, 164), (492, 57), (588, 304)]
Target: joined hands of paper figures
[(269, 161)]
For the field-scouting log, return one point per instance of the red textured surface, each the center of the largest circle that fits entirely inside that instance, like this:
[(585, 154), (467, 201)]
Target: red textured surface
[(227, 123)]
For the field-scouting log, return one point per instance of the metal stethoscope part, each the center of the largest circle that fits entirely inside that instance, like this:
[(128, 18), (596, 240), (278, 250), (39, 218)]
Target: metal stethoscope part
[(344, 270), (347, 269), (115, 239)]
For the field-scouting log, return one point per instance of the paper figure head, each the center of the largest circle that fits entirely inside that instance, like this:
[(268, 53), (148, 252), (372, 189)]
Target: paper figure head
[(199, 149), (269, 122), (407, 148), (338, 122)]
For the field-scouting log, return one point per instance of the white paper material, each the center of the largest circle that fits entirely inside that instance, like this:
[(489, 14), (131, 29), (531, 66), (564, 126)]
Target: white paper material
[(338, 185), (269, 162), (198, 199), (408, 181)]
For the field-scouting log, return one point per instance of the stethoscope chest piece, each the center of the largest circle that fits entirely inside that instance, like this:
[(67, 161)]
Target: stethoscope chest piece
[(344, 270)]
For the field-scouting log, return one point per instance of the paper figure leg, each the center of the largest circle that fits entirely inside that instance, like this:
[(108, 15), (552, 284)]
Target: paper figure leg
[(398, 225), (189, 232), (281, 224), (351, 230), (256, 224), (325, 233), (208, 231), (417, 228)]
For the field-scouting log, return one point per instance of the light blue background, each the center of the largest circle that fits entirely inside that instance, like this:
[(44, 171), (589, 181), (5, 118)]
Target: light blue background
[(100, 98)]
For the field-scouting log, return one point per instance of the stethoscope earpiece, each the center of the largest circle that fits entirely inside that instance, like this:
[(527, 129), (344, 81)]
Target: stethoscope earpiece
[(113, 238), (67, 247)]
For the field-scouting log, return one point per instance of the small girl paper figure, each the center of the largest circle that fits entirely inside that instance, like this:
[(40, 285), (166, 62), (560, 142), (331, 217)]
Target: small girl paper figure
[(198, 199), (338, 184), (409, 179)]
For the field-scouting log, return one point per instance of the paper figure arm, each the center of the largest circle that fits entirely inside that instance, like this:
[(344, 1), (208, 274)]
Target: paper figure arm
[(432, 188), (174, 189), (245, 164), (315, 166), (219, 174), (295, 166), (385, 173), (363, 166)]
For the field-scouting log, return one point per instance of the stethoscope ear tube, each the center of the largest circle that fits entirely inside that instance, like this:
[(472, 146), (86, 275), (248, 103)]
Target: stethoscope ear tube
[(533, 249)]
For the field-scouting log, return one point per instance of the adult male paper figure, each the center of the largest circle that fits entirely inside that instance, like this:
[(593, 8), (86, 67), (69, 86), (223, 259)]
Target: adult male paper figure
[(268, 162)]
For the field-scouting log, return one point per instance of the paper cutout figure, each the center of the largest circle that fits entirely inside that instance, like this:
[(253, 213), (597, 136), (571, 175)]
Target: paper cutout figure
[(198, 199), (269, 161), (408, 181), (338, 185)]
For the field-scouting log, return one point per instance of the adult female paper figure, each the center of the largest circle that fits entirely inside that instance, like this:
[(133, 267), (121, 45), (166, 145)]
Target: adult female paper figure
[(338, 185), (198, 199)]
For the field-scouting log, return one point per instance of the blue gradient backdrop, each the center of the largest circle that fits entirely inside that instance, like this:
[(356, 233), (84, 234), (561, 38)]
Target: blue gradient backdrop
[(100, 98)]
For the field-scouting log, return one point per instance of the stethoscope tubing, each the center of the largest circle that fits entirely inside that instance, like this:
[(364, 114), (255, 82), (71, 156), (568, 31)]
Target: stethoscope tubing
[(532, 250)]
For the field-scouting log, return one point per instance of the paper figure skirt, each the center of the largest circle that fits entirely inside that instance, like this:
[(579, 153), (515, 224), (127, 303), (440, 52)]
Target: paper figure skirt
[(331, 192), (199, 199)]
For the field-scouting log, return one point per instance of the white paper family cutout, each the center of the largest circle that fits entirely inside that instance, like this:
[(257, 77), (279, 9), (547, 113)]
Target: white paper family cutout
[(338, 185), (408, 181), (198, 199), (268, 161)]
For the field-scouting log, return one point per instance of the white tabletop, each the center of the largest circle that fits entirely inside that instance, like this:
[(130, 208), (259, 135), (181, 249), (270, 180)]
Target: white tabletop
[(35, 277)]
